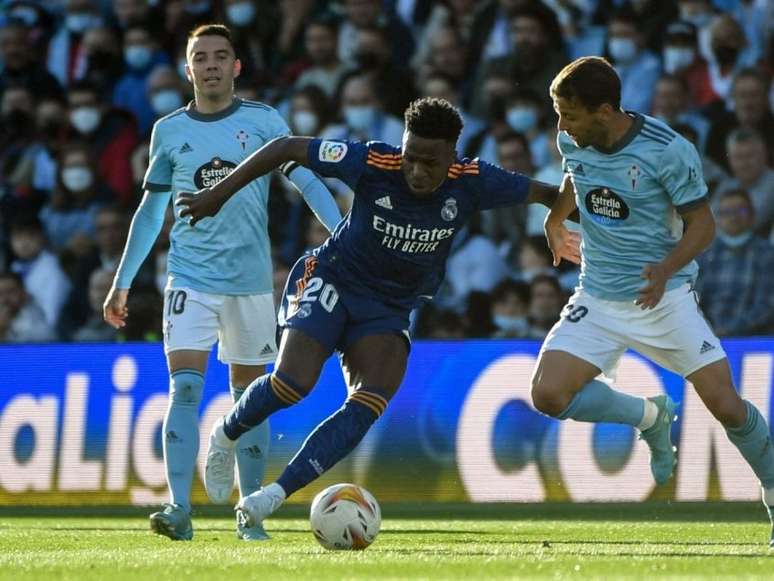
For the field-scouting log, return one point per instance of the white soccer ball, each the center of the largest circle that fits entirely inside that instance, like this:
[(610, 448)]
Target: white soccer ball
[(345, 517)]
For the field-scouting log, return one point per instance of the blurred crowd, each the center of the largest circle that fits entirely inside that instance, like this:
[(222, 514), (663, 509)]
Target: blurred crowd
[(83, 81)]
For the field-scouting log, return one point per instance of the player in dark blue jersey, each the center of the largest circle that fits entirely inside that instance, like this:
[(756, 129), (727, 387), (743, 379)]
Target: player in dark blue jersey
[(355, 292)]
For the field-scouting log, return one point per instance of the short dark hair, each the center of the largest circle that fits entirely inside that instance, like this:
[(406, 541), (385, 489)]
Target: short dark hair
[(547, 279), (433, 118), (511, 287), (591, 80), (212, 30)]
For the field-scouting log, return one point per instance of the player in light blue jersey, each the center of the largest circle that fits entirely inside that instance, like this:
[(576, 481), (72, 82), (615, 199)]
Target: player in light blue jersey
[(220, 274), (644, 218)]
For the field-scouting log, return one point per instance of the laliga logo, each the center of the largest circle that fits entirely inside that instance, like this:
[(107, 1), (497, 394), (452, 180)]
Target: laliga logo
[(332, 151)]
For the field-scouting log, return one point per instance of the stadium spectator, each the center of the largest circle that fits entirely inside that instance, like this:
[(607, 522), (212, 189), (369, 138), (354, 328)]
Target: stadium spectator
[(749, 108), (254, 26), (700, 14), (533, 61), (50, 125), (165, 90), (110, 132), (442, 86), (727, 56), (682, 58), (545, 305), (360, 14), (38, 268), (447, 54), (20, 64), (534, 259), (736, 275), (326, 70), (510, 306), (17, 134), (39, 19), (131, 13), (95, 329), (394, 83), (21, 319), (66, 52), (637, 67), (104, 59), (524, 114), (751, 170), (145, 323), (141, 54), (363, 115), (671, 104)]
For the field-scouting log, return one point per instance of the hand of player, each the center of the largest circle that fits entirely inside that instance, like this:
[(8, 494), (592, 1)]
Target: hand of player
[(650, 295), (114, 310), (200, 205), (562, 242)]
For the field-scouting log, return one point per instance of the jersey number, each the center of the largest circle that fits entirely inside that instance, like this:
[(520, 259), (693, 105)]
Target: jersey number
[(328, 297), (176, 302), (575, 314)]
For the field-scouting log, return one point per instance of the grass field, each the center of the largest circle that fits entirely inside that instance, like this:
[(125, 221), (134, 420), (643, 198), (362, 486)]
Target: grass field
[(556, 541)]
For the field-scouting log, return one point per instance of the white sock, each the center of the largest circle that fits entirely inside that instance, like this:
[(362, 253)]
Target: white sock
[(768, 496), (275, 489), (220, 437), (649, 415)]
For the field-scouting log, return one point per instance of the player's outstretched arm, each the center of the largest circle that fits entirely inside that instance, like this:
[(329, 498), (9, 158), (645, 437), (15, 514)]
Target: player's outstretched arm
[(698, 233), (208, 201)]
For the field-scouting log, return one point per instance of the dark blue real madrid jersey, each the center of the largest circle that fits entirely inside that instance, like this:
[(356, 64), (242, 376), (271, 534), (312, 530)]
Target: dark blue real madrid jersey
[(393, 243)]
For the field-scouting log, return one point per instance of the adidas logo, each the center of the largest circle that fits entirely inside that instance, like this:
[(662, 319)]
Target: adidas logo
[(186, 148), (267, 350), (706, 346), (578, 171), (253, 452), (384, 202)]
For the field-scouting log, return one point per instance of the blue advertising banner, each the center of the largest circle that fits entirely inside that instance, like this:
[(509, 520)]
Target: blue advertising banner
[(81, 424)]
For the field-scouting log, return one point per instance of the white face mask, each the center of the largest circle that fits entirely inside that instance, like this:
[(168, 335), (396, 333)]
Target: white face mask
[(522, 119), (85, 119), (676, 58), (166, 101), (623, 50), (515, 325), (137, 56), (735, 241), (304, 122), (80, 22), (359, 117), (77, 178), (241, 13), (699, 20)]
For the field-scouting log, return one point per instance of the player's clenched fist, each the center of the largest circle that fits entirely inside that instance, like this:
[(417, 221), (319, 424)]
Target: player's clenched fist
[(200, 205)]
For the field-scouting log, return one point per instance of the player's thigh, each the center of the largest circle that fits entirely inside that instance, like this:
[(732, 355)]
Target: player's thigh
[(376, 361), (243, 375), (190, 327), (301, 358), (247, 330), (715, 387), (675, 334)]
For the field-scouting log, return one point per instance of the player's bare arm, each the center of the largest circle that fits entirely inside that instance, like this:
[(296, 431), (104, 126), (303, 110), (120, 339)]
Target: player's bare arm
[(208, 201), (562, 242), (699, 231)]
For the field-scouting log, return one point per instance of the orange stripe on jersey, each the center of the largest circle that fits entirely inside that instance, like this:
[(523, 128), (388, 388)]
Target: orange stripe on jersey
[(395, 167), (385, 156), (309, 266), (395, 162)]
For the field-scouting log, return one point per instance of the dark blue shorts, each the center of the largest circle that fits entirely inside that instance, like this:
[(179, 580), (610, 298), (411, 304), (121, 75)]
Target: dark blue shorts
[(317, 303)]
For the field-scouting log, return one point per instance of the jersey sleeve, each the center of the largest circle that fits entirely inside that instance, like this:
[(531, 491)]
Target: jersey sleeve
[(345, 160), (277, 126), (681, 175), (498, 187), (158, 177)]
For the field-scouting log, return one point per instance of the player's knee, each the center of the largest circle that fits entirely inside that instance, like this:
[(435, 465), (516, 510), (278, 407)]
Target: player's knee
[(288, 388), (185, 387), (728, 409), (547, 399)]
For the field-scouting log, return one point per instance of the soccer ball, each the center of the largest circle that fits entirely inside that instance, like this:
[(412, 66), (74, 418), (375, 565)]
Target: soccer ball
[(345, 517)]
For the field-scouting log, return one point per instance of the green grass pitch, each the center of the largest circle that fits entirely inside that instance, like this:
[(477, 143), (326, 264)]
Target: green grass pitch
[(652, 541)]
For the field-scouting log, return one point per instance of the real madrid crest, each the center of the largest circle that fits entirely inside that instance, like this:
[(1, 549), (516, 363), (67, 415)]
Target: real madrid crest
[(449, 210)]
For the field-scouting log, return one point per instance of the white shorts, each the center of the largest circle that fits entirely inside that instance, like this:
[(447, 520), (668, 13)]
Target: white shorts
[(674, 334), (244, 326)]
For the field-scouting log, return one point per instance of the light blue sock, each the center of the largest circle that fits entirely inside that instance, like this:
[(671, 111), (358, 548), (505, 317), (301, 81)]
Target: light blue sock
[(252, 452), (753, 439), (181, 433), (598, 402)]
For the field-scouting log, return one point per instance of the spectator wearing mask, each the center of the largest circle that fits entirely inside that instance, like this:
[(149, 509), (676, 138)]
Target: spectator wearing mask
[(21, 319), (751, 170), (362, 113), (254, 28), (545, 305), (326, 70), (165, 90), (20, 66), (727, 54), (510, 307), (362, 14), (104, 58), (95, 329), (38, 268), (638, 68), (736, 273), (682, 58), (109, 131), (671, 104), (66, 51), (700, 14), (141, 55)]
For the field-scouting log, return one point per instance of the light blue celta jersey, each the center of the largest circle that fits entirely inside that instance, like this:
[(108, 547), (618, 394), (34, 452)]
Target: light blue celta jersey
[(629, 198), (229, 253)]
